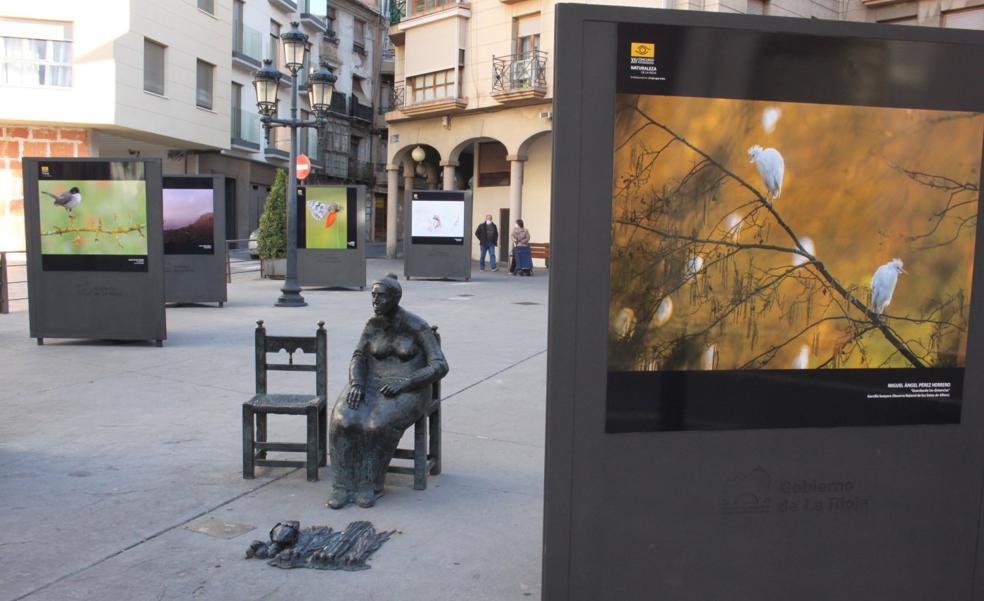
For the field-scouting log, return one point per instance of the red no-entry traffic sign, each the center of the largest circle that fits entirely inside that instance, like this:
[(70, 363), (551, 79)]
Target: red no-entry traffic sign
[(303, 166)]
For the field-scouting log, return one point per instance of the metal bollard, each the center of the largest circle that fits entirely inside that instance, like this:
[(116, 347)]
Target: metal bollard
[(4, 278)]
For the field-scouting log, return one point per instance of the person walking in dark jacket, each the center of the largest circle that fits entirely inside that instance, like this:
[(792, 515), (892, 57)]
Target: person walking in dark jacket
[(488, 235)]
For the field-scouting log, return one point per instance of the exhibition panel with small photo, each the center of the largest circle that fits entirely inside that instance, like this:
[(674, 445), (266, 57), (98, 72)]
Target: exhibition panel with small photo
[(189, 218), (330, 226), (438, 221), (94, 242), (194, 239), (437, 243)]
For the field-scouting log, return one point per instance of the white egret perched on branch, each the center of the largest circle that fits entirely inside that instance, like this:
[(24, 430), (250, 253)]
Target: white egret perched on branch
[(734, 226), (694, 265), (883, 285), (770, 117), (663, 312), (770, 166), (807, 243)]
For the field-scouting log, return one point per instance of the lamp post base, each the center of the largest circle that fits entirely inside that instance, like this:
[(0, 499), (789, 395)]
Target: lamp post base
[(291, 301), (290, 298)]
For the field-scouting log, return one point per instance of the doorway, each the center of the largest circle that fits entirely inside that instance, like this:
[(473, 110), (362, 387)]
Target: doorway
[(504, 230)]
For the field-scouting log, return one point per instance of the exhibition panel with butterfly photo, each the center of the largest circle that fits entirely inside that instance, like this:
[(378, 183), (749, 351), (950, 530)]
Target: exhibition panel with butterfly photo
[(327, 217), (93, 216), (804, 245)]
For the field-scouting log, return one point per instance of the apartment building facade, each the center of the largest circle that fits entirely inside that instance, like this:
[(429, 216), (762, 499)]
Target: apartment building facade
[(474, 90), (173, 80), (354, 52), (131, 79)]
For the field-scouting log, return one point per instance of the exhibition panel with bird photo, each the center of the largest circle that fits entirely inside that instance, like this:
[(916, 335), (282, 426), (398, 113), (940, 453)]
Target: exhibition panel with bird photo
[(92, 221), (327, 218), (787, 238)]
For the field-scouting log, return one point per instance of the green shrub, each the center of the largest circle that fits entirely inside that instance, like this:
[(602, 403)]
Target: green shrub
[(272, 239)]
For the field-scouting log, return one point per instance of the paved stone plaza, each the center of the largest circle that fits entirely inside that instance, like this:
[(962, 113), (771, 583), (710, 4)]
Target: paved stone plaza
[(121, 463)]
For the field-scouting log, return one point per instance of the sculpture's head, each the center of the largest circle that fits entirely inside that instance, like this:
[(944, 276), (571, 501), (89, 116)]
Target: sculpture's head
[(386, 294)]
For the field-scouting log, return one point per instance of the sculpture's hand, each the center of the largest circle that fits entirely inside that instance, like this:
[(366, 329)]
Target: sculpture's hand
[(357, 393), (393, 389)]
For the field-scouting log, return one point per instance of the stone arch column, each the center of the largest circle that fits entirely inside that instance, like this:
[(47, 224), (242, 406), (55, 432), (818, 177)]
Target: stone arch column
[(449, 174), (432, 176), (392, 204)]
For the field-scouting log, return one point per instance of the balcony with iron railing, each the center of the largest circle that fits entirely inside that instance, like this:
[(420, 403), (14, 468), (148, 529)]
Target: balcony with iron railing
[(247, 46), (398, 10), (245, 130), (520, 78), (360, 111), (339, 105), (404, 104)]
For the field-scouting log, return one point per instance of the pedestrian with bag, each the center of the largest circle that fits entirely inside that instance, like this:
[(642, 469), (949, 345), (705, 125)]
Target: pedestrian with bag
[(488, 236)]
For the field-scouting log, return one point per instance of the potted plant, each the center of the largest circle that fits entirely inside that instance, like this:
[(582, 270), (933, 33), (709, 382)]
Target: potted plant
[(272, 239)]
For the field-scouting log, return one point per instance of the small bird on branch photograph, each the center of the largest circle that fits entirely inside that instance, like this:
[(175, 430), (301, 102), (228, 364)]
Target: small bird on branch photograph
[(93, 217), (752, 235)]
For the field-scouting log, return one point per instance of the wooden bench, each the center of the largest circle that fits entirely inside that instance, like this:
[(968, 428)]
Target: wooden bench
[(541, 250)]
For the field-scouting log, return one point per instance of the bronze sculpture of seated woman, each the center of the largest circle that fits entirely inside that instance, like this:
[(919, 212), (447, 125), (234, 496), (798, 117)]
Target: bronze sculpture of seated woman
[(396, 361)]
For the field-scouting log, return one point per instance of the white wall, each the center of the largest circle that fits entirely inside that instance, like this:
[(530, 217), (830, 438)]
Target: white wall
[(91, 98), (189, 34)]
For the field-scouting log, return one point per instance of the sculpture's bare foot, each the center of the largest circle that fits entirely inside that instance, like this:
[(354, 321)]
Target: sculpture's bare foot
[(339, 497)]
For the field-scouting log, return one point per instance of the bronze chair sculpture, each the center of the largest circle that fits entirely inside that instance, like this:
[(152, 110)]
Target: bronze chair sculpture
[(390, 388), (313, 406)]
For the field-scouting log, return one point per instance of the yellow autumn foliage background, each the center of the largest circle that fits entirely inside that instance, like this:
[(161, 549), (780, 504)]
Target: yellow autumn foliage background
[(844, 186)]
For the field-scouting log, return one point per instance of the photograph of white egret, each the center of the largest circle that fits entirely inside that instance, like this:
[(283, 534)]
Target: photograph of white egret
[(826, 247), (437, 221), (93, 225)]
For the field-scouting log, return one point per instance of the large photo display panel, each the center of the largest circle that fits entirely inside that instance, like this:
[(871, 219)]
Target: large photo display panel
[(92, 215), (777, 262), (437, 221), (189, 216), (327, 217)]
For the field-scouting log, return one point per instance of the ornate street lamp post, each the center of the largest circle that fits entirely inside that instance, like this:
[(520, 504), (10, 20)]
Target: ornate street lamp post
[(321, 84)]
